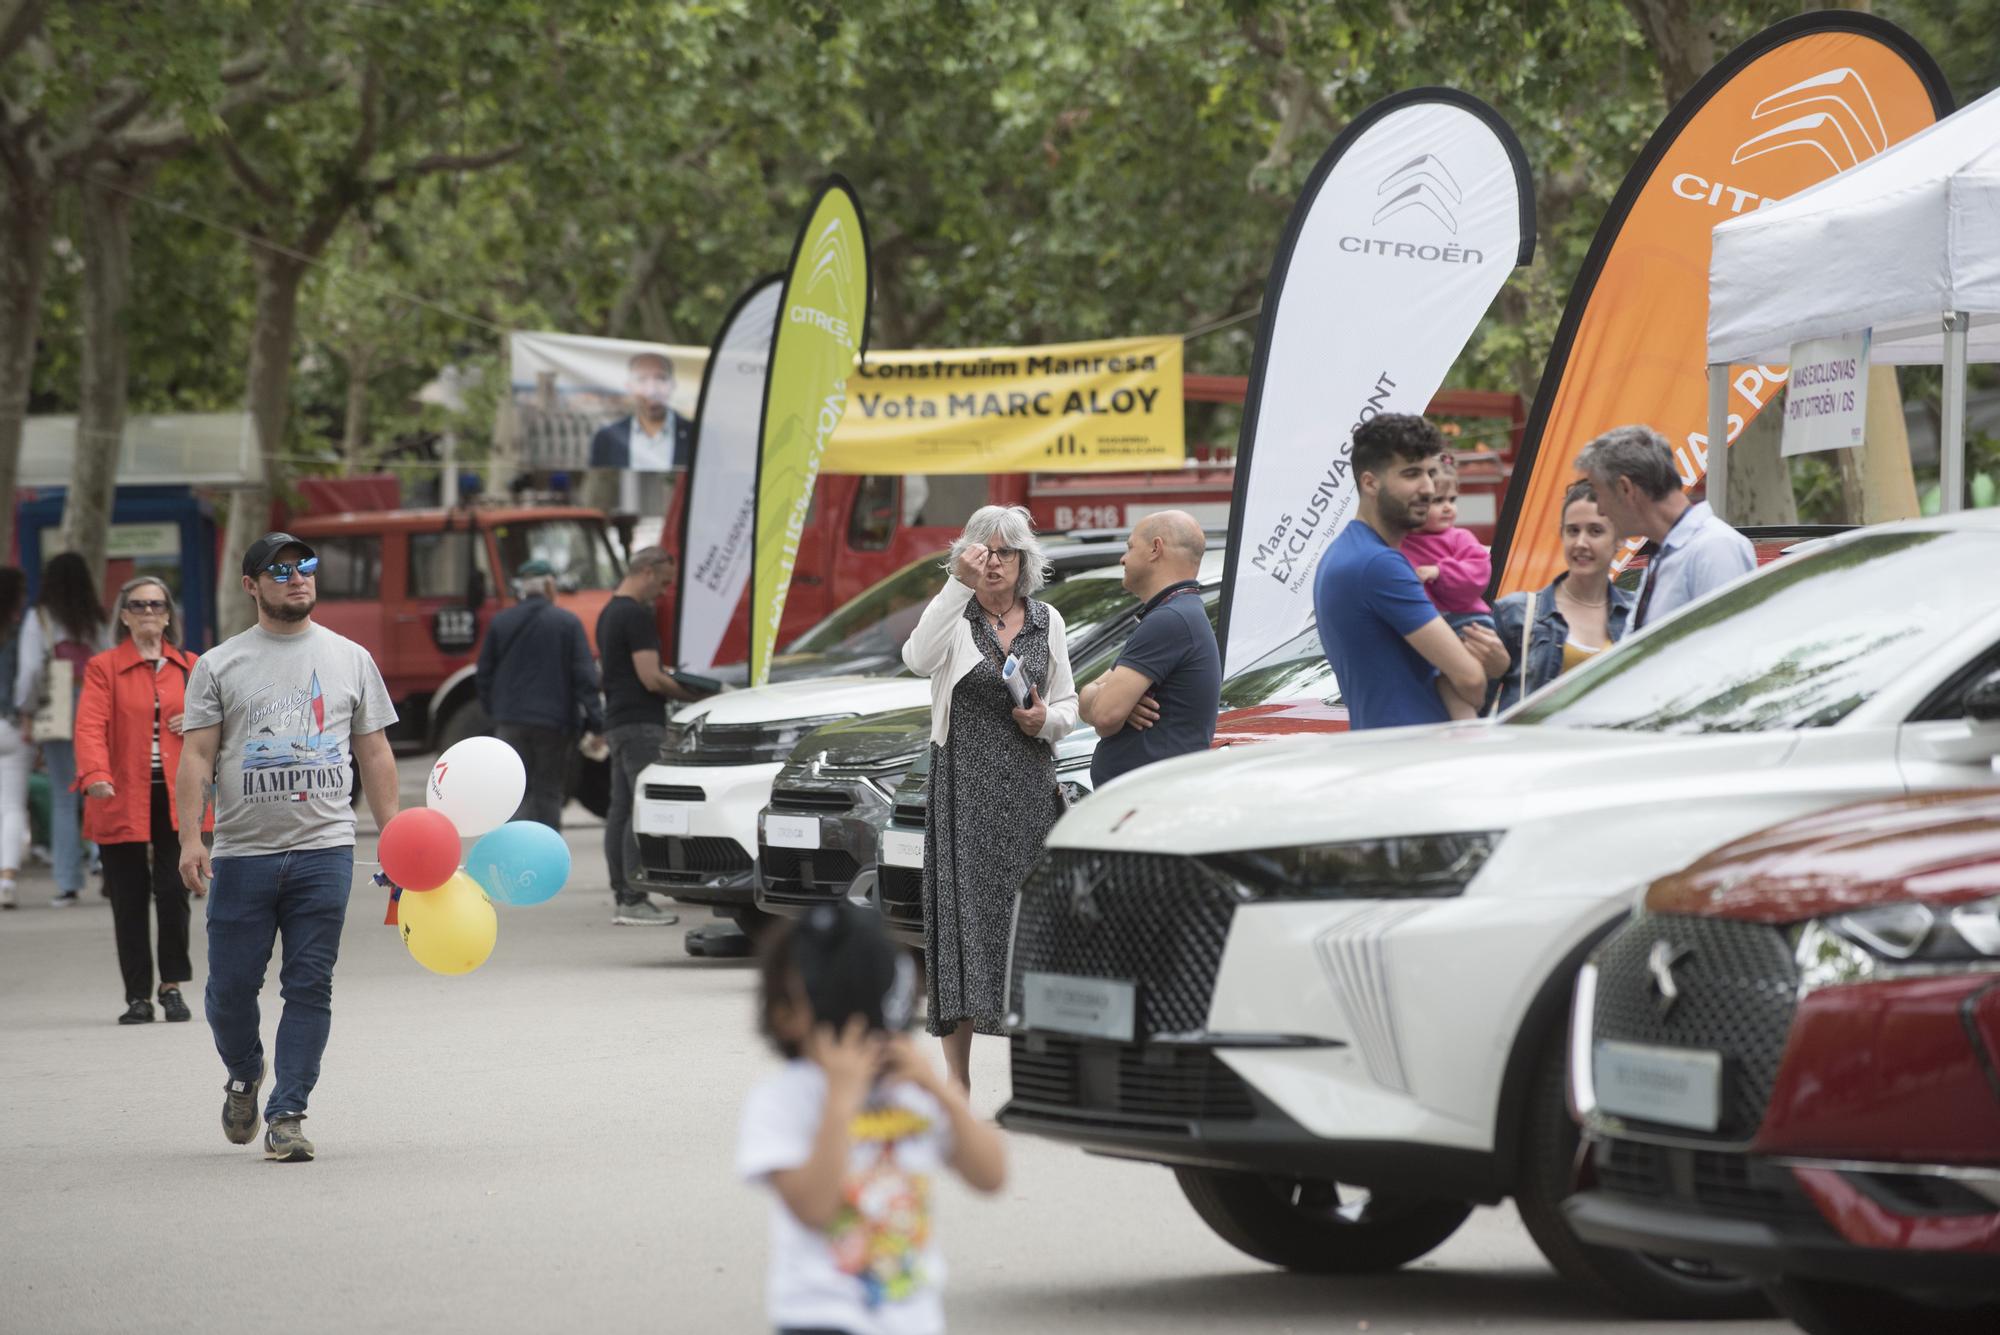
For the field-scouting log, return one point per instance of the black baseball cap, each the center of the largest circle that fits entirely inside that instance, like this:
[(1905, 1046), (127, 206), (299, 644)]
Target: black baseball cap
[(265, 550), (850, 967)]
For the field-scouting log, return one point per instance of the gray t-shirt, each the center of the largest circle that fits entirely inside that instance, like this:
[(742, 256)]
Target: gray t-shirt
[(288, 705)]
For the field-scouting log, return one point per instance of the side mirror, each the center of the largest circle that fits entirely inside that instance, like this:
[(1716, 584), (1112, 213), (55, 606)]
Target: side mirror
[(1982, 702), (475, 589)]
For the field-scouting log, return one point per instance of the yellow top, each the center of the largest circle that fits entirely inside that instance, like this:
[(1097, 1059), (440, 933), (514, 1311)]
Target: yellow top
[(1574, 653)]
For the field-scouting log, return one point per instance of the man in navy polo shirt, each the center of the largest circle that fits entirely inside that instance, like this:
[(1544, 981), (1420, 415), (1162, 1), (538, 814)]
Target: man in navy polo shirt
[(1161, 698), (1391, 650)]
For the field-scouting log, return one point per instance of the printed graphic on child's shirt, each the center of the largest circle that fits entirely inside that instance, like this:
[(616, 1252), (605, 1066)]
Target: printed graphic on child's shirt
[(884, 1224), (289, 755)]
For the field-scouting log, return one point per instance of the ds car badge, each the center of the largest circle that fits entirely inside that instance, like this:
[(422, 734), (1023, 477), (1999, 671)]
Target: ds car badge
[(1660, 962)]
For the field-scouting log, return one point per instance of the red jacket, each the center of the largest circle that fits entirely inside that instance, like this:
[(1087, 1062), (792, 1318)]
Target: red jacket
[(114, 739)]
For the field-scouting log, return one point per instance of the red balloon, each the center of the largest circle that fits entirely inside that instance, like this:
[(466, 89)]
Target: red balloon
[(419, 848)]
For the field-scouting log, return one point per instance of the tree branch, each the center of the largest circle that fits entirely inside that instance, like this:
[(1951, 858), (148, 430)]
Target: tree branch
[(19, 21), (246, 173), (371, 121), (126, 101), (453, 162)]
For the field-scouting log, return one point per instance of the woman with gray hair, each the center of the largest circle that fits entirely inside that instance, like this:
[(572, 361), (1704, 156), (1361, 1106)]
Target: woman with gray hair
[(993, 791)]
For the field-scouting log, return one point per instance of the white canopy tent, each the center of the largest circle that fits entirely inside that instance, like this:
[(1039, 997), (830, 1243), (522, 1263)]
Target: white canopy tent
[(1906, 245)]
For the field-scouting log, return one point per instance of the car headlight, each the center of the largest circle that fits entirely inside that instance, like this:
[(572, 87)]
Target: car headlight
[(777, 741), (1425, 866), (1920, 933)]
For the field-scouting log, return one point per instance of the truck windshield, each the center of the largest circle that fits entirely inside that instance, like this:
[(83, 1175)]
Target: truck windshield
[(576, 549), (1802, 644), (877, 620)]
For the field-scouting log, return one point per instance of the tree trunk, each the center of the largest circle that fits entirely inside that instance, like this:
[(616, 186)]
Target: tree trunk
[(354, 427), (1681, 40), (272, 334), (1760, 477), (26, 213), (100, 423)]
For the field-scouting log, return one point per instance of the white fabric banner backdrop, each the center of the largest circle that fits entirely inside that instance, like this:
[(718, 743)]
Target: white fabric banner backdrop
[(722, 477), (1402, 236)]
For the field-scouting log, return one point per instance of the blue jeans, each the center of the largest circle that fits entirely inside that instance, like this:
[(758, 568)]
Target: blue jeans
[(303, 896), (65, 816)]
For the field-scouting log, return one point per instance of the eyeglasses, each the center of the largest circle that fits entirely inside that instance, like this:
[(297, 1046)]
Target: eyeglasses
[(282, 571), (146, 604), (1004, 554)]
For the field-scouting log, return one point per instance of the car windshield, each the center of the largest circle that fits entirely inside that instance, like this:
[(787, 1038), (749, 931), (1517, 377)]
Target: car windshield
[(1800, 645), (1294, 670), (876, 621), (1090, 606), (576, 549), (1101, 658)]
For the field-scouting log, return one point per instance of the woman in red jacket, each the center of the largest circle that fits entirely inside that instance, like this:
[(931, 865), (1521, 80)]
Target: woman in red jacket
[(128, 743)]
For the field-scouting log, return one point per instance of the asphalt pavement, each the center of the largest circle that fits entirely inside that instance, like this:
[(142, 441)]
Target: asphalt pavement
[(545, 1145)]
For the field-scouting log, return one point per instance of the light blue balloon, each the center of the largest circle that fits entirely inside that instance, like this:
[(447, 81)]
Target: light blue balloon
[(522, 862)]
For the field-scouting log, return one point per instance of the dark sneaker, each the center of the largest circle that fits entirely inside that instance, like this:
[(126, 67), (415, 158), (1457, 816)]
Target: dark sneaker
[(645, 913), (139, 1012), (239, 1109), (285, 1141), (171, 1004), (63, 900)]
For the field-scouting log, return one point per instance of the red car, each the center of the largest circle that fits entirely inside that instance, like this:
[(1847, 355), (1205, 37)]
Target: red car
[(1788, 1064)]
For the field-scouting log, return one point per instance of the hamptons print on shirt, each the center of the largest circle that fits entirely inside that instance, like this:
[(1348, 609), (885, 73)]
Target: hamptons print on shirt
[(289, 756)]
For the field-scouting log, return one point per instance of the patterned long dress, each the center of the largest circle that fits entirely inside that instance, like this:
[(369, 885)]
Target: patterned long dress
[(993, 798)]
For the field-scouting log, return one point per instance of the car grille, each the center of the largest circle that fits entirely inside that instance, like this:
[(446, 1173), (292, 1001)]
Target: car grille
[(1738, 988), (902, 891), (673, 792), (814, 875), (720, 744), (1126, 1080), (692, 859), (1712, 1181), (812, 800), (912, 813), (1145, 918)]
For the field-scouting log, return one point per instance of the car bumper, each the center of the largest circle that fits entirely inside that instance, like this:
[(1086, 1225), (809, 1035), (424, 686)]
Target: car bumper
[(696, 827), (840, 819)]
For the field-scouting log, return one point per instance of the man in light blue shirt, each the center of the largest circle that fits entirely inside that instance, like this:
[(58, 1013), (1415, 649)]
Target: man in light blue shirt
[(1632, 470)]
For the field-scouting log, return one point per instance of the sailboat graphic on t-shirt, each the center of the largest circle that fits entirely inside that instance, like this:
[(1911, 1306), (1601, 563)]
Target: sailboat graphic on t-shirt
[(301, 747)]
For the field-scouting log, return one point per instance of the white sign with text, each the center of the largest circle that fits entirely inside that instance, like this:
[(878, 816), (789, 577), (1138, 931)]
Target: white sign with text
[(1826, 400)]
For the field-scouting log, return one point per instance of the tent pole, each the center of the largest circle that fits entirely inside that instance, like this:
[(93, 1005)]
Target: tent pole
[(1951, 425), (1718, 440)]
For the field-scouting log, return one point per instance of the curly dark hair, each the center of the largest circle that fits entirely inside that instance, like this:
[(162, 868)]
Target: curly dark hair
[(69, 596), (1394, 435)]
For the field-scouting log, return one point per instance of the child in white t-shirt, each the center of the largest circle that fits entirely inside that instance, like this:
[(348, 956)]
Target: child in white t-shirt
[(852, 1132)]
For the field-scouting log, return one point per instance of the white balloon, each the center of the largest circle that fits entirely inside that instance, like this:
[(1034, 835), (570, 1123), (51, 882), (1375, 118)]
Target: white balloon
[(477, 784)]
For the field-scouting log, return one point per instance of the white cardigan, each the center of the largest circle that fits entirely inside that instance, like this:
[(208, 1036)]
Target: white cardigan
[(942, 648)]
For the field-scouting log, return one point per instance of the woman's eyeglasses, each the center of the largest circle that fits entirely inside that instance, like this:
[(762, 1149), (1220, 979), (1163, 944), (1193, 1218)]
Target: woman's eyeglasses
[(282, 571), (1004, 554), (146, 604)]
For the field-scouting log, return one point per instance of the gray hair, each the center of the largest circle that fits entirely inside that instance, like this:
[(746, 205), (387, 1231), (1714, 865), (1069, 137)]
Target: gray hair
[(1006, 526), (172, 634), (1636, 452), (646, 558)]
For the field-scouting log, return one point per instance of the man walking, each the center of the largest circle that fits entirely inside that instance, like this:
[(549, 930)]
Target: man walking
[(1396, 659), (637, 690), (537, 683), (1631, 468), (1161, 698), (272, 715)]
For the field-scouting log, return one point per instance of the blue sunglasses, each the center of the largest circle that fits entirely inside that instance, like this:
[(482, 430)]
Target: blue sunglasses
[(281, 571)]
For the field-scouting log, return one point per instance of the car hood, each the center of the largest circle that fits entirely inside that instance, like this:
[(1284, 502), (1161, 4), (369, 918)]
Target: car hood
[(782, 700), (869, 741), (1452, 777), (1308, 717), (806, 667), (1942, 847)]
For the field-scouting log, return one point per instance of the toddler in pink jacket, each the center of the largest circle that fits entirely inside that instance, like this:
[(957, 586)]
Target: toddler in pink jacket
[(1453, 564)]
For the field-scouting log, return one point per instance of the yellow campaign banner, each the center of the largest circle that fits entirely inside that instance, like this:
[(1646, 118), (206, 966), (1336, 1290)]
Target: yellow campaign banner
[(1107, 406), (821, 331)]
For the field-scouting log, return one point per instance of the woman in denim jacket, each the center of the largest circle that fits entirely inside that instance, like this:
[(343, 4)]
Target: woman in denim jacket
[(1578, 615)]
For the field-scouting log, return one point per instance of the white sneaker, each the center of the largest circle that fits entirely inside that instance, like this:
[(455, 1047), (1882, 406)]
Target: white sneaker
[(63, 900), (643, 914), (7, 895)]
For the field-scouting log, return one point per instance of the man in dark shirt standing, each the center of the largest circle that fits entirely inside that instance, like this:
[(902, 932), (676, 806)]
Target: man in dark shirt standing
[(538, 685), (637, 691), (1392, 652), (1161, 698)]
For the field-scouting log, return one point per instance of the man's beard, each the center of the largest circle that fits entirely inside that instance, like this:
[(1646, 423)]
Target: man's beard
[(286, 611), (1407, 515)]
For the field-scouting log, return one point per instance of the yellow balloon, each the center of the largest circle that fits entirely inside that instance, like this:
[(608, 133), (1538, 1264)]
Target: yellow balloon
[(449, 930)]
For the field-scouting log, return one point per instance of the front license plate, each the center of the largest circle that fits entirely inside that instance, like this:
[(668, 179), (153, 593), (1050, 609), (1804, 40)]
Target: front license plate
[(791, 831), (1092, 1007), (663, 818), (1672, 1086), (902, 848)]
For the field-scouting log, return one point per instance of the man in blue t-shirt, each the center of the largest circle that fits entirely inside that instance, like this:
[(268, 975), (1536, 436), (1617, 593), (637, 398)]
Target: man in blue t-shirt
[(1161, 698), (1395, 658)]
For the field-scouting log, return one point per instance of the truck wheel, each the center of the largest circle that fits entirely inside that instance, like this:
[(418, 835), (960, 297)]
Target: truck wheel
[(1635, 1282), (1819, 1307), (1318, 1227), (467, 720)]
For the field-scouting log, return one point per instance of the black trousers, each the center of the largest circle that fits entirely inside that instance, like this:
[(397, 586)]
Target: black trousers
[(135, 873), (546, 753)]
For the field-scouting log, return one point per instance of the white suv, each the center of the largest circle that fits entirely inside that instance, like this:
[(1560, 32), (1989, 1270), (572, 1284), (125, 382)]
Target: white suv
[(1327, 980)]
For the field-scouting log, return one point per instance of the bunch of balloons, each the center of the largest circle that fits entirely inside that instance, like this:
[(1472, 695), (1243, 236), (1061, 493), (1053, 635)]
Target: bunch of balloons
[(446, 909)]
